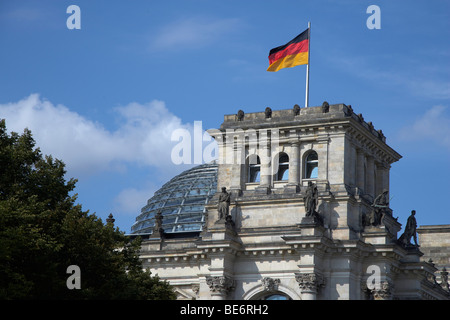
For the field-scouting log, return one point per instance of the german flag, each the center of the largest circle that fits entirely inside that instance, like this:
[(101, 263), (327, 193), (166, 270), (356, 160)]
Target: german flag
[(293, 53)]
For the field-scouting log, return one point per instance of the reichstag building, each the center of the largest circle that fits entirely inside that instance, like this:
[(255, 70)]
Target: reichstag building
[(296, 207)]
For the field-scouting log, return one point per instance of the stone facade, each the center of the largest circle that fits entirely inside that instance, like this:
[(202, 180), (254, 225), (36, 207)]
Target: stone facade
[(434, 242), (269, 245)]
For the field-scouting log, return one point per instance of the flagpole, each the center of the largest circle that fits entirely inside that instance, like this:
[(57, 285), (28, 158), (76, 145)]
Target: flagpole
[(307, 67)]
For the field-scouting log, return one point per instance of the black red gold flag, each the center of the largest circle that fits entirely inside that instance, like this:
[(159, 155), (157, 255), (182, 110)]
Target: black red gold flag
[(293, 53)]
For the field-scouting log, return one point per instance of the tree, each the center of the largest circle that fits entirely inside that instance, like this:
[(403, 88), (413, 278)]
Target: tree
[(43, 232)]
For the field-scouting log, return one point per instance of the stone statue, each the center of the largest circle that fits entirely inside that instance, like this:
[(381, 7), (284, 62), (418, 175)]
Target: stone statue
[(311, 199), (158, 230), (382, 200), (224, 204), (325, 107), (379, 206), (158, 220), (296, 110), (410, 231), (268, 113), (240, 115)]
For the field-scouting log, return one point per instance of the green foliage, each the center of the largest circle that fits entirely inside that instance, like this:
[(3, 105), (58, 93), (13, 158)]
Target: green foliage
[(43, 231)]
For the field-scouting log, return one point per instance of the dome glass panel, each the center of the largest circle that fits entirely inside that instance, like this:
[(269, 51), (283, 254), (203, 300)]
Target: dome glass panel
[(181, 202)]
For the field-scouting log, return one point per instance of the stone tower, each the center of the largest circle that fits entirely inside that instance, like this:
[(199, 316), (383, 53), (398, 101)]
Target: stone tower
[(330, 146), (301, 212)]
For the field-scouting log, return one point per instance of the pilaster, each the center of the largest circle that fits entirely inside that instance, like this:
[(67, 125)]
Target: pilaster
[(294, 167), (220, 286), (309, 284)]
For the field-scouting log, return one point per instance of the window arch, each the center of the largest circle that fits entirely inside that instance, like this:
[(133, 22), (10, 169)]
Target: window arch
[(276, 296), (283, 167), (254, 168), (258, 292), (311, 165)]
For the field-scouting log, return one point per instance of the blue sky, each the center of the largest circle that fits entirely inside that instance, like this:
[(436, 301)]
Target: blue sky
[(106, 98)]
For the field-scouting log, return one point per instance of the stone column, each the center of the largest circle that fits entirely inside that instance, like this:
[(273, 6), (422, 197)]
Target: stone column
[(265, 166), (238, 166), (227, 147), (360, 169), (309, 284), (266, 172), (351, 165), (220, 286), (294, 165), (370, 176), (385, 177), (293, 184)]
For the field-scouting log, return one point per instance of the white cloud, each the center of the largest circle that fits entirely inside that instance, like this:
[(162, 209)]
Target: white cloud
[(143, 136), (433, 126), (131, 200), (193, 32)]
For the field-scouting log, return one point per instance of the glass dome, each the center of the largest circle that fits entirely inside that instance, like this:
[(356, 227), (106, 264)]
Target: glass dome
[(181, 202)]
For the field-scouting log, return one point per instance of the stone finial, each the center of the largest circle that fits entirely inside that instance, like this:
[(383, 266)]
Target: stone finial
[(349, 111), (360, 117), (110, 219), (380, 133)]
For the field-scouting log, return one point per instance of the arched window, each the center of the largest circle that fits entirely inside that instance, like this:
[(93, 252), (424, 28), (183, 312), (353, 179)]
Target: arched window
[(283, 167), (311, 165), (254, 168)]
